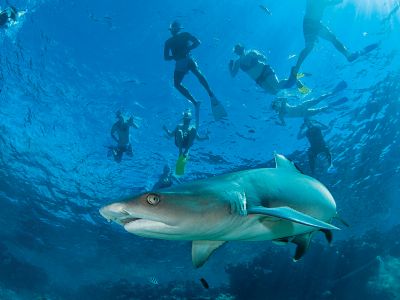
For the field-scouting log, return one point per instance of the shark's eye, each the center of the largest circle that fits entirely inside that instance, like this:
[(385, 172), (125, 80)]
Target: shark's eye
[(153, 199)]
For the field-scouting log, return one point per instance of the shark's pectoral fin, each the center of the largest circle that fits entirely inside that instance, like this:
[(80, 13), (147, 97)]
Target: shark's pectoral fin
[(292, 215), (201, 251), (303, 243)]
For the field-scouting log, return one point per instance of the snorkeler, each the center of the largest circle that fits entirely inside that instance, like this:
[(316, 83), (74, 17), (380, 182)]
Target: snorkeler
[(166, 179), (178, 48), (312, 129), (304, 109), (7, 16), (185, 134), (313, 28), (120, 133), (254, 64)]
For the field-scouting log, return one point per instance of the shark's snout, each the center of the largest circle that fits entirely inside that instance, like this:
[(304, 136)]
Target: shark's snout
[(117, 212)]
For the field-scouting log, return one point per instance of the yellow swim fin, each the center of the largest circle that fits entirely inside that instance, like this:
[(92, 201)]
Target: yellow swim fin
[(180, 165), (304, 90)]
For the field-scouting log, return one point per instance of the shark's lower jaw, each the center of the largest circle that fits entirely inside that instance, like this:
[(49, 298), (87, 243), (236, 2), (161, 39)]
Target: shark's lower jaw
[(123, 222), (149, 228)]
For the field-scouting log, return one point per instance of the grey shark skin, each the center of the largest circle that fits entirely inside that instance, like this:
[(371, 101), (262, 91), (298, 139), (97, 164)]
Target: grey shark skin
[(279, 204)]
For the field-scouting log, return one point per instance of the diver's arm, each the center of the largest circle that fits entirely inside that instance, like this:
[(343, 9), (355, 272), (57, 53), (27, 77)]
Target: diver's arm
[(167, 55), (321, 125), (234, 67), (113, 131), (202, 138), (132, 123), (169, 132), (301, 133), (195, 42), (281, 119), (260, 57)]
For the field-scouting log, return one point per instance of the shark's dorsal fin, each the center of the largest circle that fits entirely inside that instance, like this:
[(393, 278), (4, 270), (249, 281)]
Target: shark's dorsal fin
[(282, 162), (201, 251), (292, 215)]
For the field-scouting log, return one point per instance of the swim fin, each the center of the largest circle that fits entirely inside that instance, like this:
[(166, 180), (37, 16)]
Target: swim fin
[(181, 164), (340, 87), (339, 101), (304, 90), (302, 75), (218, 109), (364, 51)]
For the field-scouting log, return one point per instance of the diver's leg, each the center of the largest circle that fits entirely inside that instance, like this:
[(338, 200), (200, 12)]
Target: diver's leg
[(129, 150), (326, 34), (118, 154), (302, 56), (195, 70), (310, 112), (310, 103), (270, 84), (178, 77), (179, 140)]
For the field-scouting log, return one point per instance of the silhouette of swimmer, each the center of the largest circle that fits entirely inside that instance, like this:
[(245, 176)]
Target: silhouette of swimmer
[(254, 64), (120, 133), (304, 109), (312, 129), (178, 48), (8, 15), (166, 179), (185, 134), (313, 28)]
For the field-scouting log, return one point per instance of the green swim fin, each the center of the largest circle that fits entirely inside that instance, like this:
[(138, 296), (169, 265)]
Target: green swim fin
[(304, 89), (300, 75), (218, 109), (180, 165)]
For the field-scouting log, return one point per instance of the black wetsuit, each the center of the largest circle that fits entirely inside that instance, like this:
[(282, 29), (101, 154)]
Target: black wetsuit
[(179, 45), (317, 146), (3, 18)]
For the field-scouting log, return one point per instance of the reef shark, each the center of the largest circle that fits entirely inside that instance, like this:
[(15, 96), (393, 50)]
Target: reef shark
[(279, 204)]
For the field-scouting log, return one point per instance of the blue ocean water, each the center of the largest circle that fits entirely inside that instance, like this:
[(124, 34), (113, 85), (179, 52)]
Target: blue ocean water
[(68, 66)]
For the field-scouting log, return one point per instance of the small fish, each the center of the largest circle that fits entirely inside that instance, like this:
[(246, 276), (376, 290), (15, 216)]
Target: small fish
[(291, 56), (204, 283), (264, 8), (153, 280)]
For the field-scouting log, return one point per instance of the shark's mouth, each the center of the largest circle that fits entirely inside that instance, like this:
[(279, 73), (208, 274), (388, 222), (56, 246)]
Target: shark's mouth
[(128, 220)]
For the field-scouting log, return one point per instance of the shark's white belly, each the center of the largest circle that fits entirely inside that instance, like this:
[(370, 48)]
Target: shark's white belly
[(251, 229)]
